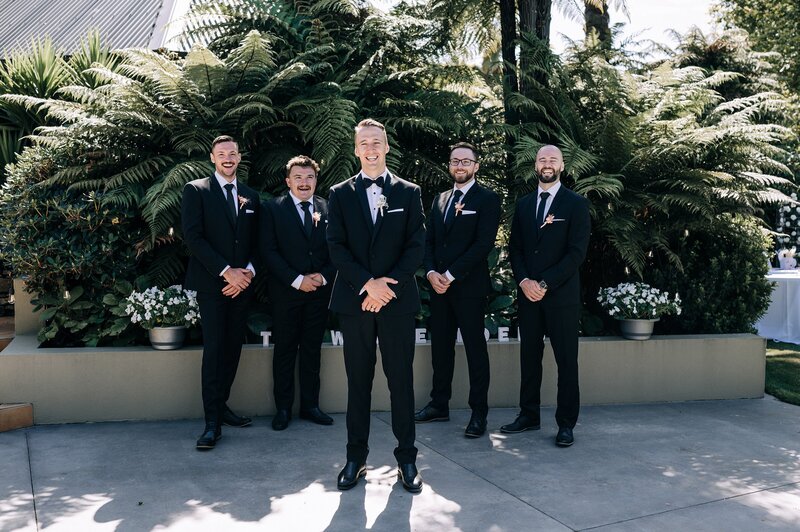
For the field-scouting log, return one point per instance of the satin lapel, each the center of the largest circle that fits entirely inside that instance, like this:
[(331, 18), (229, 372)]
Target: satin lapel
[(291, 211), (323, 216), (444, 198), (386, 192), (217, 192), (361, 194)]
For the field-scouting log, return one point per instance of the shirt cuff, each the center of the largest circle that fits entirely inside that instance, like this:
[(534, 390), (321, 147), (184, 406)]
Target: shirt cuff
[(449, 276), (522, 281), (297, 282), (364, 288), (251, 268), (225, 269)]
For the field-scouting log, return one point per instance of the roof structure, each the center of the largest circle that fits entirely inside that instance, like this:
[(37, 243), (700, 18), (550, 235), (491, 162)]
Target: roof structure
[(121, 23)]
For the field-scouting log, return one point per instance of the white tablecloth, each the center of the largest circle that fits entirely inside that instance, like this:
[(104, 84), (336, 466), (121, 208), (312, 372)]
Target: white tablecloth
[(782, 320)]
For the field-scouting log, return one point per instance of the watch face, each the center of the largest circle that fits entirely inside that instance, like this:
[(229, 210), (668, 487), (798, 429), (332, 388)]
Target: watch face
[(543, 285)]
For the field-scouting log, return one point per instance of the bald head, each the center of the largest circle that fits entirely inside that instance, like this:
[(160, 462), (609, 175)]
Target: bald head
[(549, 164)]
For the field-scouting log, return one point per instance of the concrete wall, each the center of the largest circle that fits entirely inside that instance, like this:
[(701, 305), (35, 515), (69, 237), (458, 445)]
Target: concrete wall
[(100, 384)]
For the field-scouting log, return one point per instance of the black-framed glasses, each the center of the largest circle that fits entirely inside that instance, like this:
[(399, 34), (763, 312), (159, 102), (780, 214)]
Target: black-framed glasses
[(463, 162)]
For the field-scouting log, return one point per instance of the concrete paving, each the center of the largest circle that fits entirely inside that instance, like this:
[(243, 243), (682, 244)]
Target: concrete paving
[(713, 465)]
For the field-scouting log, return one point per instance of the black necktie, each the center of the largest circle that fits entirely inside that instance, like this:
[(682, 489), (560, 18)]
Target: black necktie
[(450, 217), (369, 182), (305, 205), (231, 204), (540, 211)]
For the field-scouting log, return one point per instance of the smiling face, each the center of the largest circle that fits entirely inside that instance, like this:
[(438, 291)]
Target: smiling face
[(302, 181), (549, 164), (371, 150), (226, 158), (461, 173)]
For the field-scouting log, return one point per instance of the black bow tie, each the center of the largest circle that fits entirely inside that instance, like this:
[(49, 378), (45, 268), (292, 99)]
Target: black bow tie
[(369, 182)]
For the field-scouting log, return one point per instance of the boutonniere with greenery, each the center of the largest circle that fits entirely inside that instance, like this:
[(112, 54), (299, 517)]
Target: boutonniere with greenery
[(459, 206), (381, 204), (316, 217), (243, 201)]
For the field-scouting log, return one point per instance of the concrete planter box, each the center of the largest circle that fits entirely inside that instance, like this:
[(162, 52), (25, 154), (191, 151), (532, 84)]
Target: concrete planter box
[(102, 384)]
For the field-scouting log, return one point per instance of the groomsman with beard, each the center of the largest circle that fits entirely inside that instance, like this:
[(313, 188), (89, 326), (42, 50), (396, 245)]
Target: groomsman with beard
[(462, 228), (299, 276), (548, 242), (376, 236)]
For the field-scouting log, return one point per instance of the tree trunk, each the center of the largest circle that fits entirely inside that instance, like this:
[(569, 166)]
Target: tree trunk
[(597, 20), (508, 36), (534, 18)]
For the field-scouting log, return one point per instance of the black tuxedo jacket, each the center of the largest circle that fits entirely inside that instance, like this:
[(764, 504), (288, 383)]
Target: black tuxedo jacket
[(553, 252), (393, 247), (214, 238), (287, 251), (463, 245)]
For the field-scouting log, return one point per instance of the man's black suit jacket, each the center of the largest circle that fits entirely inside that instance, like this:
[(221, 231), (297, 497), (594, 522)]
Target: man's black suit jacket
[(215, 239), (393, 247), (461, 247), (287, 251), (553, 252)]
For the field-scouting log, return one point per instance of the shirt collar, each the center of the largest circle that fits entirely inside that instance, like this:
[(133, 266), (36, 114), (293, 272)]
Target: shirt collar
[(298, 201), (465, 188), (222, 182), (552, 190)]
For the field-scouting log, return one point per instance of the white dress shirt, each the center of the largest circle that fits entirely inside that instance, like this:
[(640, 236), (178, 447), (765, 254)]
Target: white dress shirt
[(299, 279)]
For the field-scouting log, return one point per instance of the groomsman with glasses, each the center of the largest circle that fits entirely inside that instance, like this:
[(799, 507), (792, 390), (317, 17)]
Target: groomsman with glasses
[(463, 225)]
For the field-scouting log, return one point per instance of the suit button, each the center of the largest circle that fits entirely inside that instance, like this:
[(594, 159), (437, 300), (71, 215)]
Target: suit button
[(444, 245), (309, 253), (536, 252), (235, 241)]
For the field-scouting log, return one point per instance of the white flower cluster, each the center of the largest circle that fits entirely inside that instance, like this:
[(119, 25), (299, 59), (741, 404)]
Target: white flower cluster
[(169, 307), (638, 301), (788, 228)]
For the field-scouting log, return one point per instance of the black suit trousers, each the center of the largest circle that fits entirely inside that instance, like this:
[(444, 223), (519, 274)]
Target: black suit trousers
[(298, 329), (224, 327), (560, 324), (447, 316), (396, 336)]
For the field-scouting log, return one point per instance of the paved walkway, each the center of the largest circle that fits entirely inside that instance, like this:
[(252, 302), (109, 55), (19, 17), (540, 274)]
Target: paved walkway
[(713, 465)]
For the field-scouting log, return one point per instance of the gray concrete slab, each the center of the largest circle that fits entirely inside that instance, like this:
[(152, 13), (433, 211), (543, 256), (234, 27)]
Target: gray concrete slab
[(16, 499), (732, 465)]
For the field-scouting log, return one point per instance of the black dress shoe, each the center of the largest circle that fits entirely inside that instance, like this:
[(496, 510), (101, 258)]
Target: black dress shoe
[(476, 427), (207, 440), (431, 413), (521, 424), (281, 419), (232, 420), (564, 437), (409, 476), (317, 416), (350, 474)]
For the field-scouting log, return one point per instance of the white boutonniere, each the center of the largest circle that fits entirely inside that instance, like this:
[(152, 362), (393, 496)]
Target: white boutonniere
[(243, 201), (316, 217), (459, 206), (550, 219), (381, 204)]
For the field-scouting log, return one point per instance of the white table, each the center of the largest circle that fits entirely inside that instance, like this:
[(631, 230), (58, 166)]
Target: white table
[(782, 320)]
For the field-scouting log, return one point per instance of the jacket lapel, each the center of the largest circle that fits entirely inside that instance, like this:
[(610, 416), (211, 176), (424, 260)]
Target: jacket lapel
[(217, 192), (293, 213), (361, 194)]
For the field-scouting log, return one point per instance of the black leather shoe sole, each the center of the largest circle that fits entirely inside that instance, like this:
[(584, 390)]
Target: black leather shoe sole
[(316, 419), (206, 444), (344, 486), (424, 415), (507, 429), (474, 433), (241, 422), (564, 443)]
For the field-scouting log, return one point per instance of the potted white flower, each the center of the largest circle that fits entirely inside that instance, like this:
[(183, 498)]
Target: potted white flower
[(638, 306), (164, 313)]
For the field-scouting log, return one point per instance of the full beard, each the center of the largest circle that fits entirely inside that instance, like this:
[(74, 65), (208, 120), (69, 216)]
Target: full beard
[(552, 178), (460, 179)]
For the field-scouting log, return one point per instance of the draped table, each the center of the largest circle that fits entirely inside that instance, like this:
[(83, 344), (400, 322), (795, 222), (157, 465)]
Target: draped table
[(782, 320)]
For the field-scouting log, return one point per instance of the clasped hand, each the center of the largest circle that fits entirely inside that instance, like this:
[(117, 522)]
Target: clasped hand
[(238, 280), (439, 282), (378, 294), (532, 290), (311, 282)]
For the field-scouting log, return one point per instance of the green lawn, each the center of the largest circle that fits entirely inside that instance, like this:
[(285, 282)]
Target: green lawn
[(783, 371)]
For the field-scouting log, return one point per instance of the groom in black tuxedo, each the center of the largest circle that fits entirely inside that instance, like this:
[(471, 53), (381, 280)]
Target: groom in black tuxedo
[(219, 216), (376, 236), (548, 242), (300, 276), (462, 228)]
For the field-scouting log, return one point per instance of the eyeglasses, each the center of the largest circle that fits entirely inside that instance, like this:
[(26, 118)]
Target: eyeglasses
[(463, 162)]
